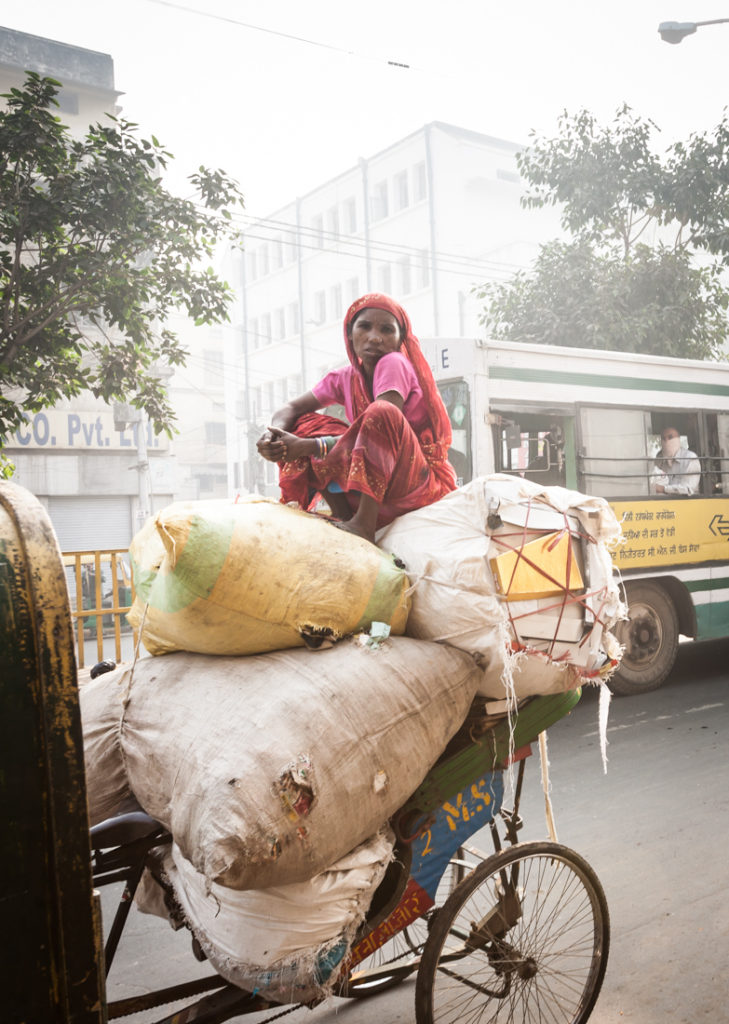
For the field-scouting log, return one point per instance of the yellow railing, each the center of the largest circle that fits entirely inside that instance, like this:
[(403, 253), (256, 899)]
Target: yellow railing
[(93, 578)]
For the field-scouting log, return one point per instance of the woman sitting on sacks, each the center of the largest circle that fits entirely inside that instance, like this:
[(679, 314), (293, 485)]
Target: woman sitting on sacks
[(392, 457)]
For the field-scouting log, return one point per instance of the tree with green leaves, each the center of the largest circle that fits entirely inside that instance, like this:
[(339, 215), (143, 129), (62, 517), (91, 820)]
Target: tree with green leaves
[(642, 270), (94, 256)]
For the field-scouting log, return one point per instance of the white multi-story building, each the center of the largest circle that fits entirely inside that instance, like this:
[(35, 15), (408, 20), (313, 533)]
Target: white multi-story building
[(98, 473), (425, 221)]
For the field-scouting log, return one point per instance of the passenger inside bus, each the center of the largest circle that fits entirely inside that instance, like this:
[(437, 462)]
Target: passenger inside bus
[(677, 469)]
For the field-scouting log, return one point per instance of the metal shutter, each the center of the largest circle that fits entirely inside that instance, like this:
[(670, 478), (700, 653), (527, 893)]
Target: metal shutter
[(91, 523)]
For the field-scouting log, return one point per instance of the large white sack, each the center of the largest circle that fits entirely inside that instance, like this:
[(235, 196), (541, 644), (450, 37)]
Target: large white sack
[(100, 702), (545, 645), (284, 942), (267, 769)]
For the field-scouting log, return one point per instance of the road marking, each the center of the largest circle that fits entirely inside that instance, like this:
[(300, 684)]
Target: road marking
[(657, 718)]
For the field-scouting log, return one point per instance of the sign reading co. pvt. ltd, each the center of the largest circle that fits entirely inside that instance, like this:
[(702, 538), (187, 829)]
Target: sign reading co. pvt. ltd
[(87, 431)]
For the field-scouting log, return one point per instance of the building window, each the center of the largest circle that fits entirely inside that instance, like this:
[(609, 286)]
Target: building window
[(384, 278), (424, 269), (282, 388), (294, 325), (252, 265), (263, 264), (351, 290), (405, 275), (320, 307), (402, 194), (333, 221), (292, 247), (420, 182), (380, 208), (350, 215), (511, 176), (317, 227), (295, 385), (256, 412), (335, 301), (214, 432), (277, 253), (269, 399), (67, 101), (213, 368), (266, 329), (254, 333), (205, 482), (279, 324)]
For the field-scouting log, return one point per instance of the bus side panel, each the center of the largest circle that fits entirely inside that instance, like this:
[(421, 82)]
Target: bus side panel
[(678, 532), (711, 598), (690, 538)]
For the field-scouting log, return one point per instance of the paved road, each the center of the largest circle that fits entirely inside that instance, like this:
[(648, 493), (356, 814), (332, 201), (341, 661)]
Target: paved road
[(655, 827)]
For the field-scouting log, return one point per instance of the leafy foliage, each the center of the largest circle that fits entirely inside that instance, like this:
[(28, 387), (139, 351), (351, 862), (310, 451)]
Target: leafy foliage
[(94, 255), (650, 241)]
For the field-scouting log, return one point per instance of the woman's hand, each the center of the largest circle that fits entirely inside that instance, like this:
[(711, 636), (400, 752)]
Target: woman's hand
[(276, 445), (272, 446)]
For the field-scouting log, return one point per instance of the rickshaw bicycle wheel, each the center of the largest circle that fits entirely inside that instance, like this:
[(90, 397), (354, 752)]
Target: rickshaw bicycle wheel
[(524, 937), (407, 943)]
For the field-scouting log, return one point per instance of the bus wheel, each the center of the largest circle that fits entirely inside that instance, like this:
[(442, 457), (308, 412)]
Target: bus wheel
[(650, 636)]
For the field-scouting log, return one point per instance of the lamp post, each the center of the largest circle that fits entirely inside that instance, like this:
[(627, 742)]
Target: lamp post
[(675, 31)]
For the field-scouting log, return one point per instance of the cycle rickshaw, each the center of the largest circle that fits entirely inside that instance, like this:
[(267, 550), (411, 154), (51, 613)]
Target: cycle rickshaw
[(517, 935)]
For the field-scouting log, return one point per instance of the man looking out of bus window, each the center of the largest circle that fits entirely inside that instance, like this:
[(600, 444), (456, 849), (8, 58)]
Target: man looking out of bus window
[(677, 470)]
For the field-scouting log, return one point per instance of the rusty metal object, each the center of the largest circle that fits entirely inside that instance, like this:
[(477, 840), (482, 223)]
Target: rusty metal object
[(50, 921)]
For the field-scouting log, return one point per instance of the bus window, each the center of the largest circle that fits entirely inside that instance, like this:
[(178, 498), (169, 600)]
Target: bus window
[(533, 447), (718, 449), (456, 399), (616, 454)]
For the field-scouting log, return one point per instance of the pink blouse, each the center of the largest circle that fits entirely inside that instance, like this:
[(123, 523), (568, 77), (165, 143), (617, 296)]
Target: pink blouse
[(393, 372)]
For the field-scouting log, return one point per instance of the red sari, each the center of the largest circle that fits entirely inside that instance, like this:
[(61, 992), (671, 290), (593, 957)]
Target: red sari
[(380, 453)]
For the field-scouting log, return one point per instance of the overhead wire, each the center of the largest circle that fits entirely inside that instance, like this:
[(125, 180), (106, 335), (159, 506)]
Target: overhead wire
[(290, 36), (352, 239), (392, 262), (309, 239), (472, 265)]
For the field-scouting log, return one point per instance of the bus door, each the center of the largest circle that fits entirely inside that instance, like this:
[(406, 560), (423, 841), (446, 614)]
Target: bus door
[(456, 398), (537, 446)]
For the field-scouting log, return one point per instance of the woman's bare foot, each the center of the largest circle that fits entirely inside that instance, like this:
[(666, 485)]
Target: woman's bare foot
[(364, 521), (352, 526)]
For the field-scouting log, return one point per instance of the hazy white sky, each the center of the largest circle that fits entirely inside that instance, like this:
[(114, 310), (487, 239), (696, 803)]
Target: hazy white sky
[(282, 114)]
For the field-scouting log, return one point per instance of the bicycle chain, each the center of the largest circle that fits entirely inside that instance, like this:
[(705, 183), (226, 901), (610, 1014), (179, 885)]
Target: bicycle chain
[(277, 1016), (167, 1002)]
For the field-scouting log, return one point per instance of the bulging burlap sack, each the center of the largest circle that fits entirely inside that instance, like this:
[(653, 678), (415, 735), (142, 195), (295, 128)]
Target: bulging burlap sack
[(268, 769), (285, 942), (219, 577), (100, 702)]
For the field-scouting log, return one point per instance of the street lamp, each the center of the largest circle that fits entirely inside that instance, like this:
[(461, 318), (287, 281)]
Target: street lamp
[(674, 31)]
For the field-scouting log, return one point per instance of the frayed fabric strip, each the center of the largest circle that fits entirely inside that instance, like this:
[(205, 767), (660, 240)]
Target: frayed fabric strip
[(603, 712), (546, 786)]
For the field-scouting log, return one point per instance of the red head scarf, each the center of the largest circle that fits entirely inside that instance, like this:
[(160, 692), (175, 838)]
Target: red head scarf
[(435, 441)]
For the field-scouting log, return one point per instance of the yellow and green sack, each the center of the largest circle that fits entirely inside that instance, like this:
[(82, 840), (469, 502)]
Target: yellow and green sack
[(227, 578)]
